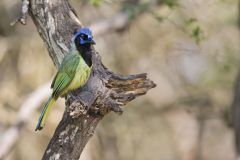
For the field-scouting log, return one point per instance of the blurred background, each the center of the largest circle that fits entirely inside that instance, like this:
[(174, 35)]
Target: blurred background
[(189, 48)]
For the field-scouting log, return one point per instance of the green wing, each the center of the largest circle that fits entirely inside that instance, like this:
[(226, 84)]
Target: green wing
[(65, 74)]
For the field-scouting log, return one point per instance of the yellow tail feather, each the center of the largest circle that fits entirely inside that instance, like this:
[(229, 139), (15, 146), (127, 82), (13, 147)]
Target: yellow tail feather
[(44, 114)]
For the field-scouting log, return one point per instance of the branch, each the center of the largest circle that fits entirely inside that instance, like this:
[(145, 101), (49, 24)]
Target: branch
[(23, 14), (118, 22), (27, 109), (104, 92)]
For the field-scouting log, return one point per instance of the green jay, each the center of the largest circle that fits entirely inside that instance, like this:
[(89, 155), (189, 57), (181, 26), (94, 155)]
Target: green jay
[(73, 72)]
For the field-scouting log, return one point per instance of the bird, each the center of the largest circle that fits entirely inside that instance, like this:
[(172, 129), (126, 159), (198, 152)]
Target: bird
[(73, 72)]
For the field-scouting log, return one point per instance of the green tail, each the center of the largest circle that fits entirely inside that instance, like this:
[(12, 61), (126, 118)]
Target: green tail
[(45, 111)]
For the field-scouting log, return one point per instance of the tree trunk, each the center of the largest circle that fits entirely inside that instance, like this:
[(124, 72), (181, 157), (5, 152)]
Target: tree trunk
[(105, 91)]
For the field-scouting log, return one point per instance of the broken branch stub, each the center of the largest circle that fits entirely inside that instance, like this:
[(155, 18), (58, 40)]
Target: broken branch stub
[(107, 91)]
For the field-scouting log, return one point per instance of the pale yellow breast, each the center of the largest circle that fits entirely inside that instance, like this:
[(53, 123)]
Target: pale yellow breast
[(83, 72)]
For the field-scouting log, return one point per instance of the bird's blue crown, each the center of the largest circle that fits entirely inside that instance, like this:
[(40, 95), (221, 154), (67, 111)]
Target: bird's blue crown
[(86, 36)]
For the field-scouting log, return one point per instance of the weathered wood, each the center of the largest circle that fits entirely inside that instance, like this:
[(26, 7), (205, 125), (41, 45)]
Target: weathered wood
[(105, 91)]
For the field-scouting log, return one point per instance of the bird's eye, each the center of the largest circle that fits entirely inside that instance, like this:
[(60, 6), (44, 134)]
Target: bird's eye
[(84, 36)]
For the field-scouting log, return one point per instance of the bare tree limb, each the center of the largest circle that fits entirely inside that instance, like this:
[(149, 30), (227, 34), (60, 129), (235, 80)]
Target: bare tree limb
[(118, 22), (105, 90), (23, 14)]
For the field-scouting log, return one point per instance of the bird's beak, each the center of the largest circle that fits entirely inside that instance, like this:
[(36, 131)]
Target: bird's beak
[(93, 42)]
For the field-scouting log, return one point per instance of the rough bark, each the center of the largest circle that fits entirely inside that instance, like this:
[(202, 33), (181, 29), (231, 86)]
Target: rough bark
[(105, 91)]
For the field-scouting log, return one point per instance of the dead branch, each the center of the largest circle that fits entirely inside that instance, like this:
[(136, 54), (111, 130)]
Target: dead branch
[(23, 14)]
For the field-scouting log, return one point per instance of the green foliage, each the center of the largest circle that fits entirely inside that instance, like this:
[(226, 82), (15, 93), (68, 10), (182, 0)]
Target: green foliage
[(194, 29), (134, 9), (95, 3), (158, 17), (170, 3), (191, 21), (191, 26), (223, 69)]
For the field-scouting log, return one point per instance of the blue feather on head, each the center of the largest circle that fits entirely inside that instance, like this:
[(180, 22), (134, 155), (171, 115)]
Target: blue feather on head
[(86, 36)]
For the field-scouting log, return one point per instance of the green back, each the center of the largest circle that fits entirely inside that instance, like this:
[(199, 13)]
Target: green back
[(65, 74)]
